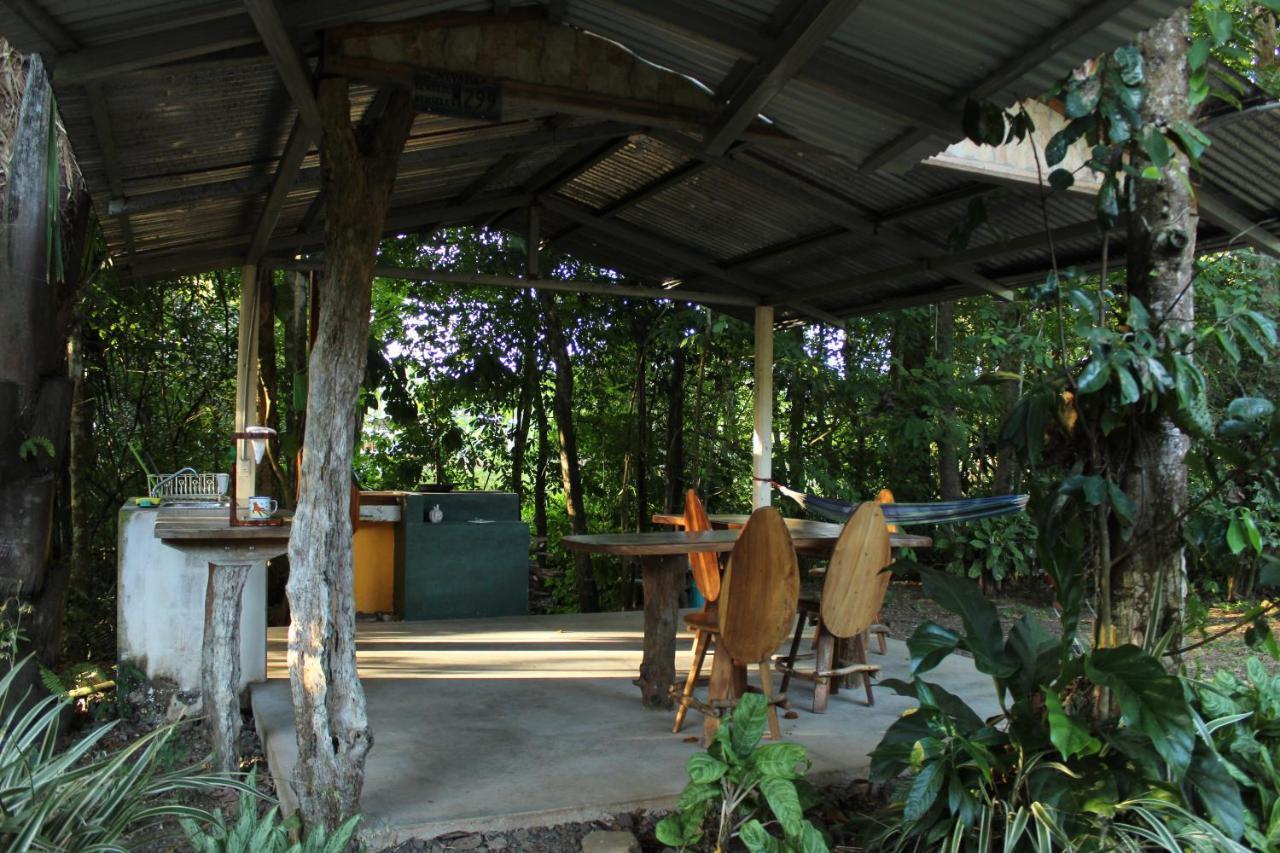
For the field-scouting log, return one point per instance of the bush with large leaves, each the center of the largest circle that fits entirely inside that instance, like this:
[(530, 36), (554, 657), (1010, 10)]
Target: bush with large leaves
[(1044, 773)]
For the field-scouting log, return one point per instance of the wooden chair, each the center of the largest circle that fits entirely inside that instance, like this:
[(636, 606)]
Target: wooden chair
[(704, 624), (758, 594), (852, 593)]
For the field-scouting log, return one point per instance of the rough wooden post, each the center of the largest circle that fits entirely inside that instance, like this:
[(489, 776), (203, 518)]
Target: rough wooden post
[(332, 727), (762, 432), (220, 661), (662, 577)]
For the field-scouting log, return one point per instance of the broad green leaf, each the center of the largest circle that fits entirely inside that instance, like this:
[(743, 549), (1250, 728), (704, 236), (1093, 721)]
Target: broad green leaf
[(703, 769), (1151, 700), (1220, 24), (1210, 781), (1068, 736), (780, 760), (1251, 531), (1199, 53), (1037, 654), (747, 723), (1129, 392), (1129, 60), (756, 838), (781, 796), (1235, 535), (695, 794), (1107, 204), (892, 756), (810, 840), (669, 831), (929, 645), (1190, 139), (1082, 96), (1061, 179), (1121, 504), (1250, 408), (1094, 376), (924, 792), (982, 635)]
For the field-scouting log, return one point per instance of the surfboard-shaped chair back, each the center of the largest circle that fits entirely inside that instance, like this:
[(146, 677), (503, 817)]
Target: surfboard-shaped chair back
[(855, 584), (705, 565), (761, 589)]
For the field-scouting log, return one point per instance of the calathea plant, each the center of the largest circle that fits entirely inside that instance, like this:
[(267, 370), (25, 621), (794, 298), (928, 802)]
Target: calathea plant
[(756, 788)]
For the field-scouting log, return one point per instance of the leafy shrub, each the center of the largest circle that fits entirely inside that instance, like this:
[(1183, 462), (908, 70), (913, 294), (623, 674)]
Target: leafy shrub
[(1242, 722), (70, 800), (1045, 773), (997, 548), (265, 833), (750, 782)]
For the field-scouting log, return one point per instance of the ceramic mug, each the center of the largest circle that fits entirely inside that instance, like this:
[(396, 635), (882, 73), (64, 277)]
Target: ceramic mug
[(261, 507)]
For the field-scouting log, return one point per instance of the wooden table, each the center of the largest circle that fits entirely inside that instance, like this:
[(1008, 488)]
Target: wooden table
[(231, 553), (663, 559)]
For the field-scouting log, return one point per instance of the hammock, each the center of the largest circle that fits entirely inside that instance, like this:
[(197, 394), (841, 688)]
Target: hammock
[(940, 512)]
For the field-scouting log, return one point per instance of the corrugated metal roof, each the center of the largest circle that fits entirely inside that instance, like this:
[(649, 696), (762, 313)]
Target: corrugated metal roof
[(198, 139)]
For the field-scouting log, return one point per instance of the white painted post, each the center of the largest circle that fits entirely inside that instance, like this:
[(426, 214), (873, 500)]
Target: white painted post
[(762, 434), (246, 382)]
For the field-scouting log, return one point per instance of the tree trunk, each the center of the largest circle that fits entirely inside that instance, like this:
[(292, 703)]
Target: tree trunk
[(1009, 392), (297, 335), (35, 389), (570, 471), (948, 456), (642, 435), (673, 496), (540, 472), (796, 394), (911, 472), (358, 172), (1149, 581), (524, 411)]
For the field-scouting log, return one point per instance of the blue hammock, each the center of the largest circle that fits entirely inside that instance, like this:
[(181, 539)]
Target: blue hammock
[(940, 512)]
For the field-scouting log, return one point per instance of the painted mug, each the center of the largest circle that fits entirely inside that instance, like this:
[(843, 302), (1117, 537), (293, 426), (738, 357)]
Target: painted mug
[(261, 507)]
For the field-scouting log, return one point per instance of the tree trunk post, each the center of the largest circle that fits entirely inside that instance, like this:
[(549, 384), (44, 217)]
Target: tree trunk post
[(220, 662), (358, 172), (1148, 586)]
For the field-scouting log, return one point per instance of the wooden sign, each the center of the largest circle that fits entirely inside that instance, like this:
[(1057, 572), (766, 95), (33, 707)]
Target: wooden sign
[(456, 93)]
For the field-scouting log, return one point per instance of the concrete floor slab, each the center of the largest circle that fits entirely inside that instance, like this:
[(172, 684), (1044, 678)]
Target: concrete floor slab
[(492, 724)]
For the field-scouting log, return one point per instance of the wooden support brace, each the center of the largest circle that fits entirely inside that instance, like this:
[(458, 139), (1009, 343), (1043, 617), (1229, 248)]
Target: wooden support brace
[(220, 661)]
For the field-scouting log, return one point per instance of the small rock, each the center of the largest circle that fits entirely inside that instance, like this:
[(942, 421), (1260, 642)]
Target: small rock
[(496, 842), (521, 836), (626, 821), (467, 842), (603, 841)]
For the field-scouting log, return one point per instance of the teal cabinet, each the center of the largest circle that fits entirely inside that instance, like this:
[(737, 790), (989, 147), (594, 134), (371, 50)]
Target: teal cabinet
[(473, 563)]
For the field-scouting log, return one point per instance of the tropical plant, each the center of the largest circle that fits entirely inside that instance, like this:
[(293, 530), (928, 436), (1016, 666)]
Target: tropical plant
[(1045, 771), (756, 787), (75, 798), (995, 548), (263, 833)]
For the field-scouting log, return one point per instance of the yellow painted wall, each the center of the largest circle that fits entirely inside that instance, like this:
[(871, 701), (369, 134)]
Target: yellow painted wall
[(374, 546)]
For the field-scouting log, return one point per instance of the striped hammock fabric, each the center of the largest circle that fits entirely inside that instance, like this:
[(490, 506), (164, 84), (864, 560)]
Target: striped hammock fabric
[(940, 512)]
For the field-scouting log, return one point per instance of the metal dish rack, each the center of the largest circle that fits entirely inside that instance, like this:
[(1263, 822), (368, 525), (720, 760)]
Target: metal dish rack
[(187, 485)]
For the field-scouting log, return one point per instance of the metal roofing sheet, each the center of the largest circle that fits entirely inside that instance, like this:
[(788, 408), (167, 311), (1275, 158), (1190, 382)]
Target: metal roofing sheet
[(889, 67)]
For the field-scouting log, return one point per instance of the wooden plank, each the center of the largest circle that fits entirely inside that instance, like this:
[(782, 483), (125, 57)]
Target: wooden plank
[(294, 73), (301, 138), (808, 28), (761, 588), (855, 584)]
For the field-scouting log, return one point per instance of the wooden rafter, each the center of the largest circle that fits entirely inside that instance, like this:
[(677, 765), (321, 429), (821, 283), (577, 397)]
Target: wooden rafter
[(453, 146), (293, 71), (678, 175), (681, 254), (808, 28), (300, 141), (840, 210)]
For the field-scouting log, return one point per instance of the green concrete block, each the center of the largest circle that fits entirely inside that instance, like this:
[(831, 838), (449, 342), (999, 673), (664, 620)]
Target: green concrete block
[(461, 507)]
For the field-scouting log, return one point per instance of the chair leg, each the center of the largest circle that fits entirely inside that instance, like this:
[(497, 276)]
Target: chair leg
[(795, 649), (859, 655), (700, 640), (771, 710), (822, 683)]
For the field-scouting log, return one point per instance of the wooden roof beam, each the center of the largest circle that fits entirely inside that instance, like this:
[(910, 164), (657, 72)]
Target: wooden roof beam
[(558, 285), (106, 139), (1240, 227), (295, 150), (842, 211), (293, 71), (803, 34), (947, 263)]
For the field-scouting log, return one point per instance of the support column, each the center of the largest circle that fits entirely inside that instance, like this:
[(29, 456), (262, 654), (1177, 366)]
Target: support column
[(246, 382), (762, 433)]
